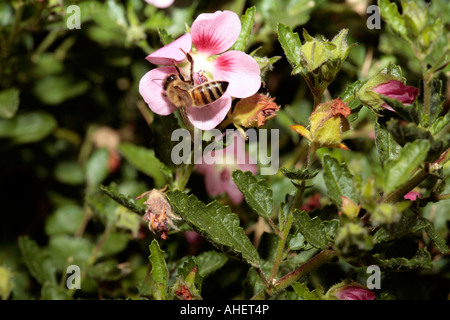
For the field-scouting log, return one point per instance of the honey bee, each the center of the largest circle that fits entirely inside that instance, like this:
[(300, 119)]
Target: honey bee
[(185, 93)]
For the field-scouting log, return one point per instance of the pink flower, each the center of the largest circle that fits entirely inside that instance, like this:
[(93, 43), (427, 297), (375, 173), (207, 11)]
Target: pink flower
[(397, 90), (211, 35), (412, 195), (218, 165), (354, 293), (160, 3)]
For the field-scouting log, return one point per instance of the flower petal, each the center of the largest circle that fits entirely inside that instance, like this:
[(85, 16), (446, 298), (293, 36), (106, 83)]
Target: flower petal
[(172, 51), (213, 33), (233, 192), (240, 70), (160, 3), (209, 116), (150, 88)]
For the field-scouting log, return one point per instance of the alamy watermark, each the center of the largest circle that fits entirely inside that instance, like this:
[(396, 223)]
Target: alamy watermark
[(374, 281), (74, 17), (74, 279), (374, 21)]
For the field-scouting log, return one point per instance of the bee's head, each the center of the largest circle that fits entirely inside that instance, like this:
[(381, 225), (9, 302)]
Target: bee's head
[(170, 78)]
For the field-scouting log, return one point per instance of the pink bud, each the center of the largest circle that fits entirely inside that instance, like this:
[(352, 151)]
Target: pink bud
[(395, 89), (354, 293)]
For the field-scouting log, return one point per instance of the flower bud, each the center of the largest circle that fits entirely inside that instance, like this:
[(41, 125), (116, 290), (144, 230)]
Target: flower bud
[(349, 290), (387, 85), (327, 123), (253, 111)]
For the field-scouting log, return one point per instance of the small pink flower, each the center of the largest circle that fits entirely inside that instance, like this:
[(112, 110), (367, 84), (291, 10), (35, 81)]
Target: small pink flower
[(160, 3), (218, 175), (354, 293), (412, 195), (395, 89), (211, 35)]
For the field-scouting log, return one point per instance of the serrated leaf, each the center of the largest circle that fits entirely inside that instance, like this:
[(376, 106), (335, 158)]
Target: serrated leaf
[(339, 180), (437, 100), (409, 223), (312, 229), (436, 238), (386, 145), (408, 112), (301, 174), (159, 273), (164, 36), (256, 193), (9, 102), (123, 200), (210, 261), (36, 260), (144, 160), (400, 170), (422, 260), (390, 14), (291, 44), (303, 291), (215, 222), (247, 21), (440, 124)]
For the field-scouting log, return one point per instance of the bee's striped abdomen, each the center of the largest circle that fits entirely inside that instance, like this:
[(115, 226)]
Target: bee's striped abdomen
[(208, 92)]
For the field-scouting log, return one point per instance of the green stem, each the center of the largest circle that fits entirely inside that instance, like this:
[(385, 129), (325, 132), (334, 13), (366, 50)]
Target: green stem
[(426, 93), (287, 227), (398, 194), (315, 262)]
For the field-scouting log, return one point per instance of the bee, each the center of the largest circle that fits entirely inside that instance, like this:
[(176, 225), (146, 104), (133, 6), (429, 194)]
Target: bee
[(185, 93)]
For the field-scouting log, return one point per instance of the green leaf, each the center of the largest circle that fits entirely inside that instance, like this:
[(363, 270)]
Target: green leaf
[(69, 172), (440, 124), (389, 12), (217, 223), (159, 273), (62, 247), (52, 291), (162, 129), (124, 200), (400, 170), (144, 160), (64, 220), (339, 180), (130, 221), (312, 229), (164, 36), (437, 100), (409, 113), (9, 102), (210, 261), (247, 21), (54, 90), (422, 260), (27, 127), (257, 193), (37, 260), (115, 243), (107, 270), (303, 291), (97, 167), (386, 145), (291, 44), (409, 223), (301, 174), (436, 238), (6, 283)]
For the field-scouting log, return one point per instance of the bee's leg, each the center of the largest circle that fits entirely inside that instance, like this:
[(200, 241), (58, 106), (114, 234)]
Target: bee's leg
[(191, 61), (178, 71)]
